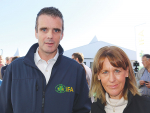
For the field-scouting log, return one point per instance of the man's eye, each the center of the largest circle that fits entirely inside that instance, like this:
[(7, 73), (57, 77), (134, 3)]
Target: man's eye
[(56, 30), (44, 30)]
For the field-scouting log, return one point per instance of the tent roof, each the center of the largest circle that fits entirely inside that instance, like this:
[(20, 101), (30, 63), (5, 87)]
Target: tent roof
[(90, 50), (17, 53)]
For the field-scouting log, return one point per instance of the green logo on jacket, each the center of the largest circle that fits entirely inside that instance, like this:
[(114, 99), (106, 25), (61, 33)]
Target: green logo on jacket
[(60, 88)]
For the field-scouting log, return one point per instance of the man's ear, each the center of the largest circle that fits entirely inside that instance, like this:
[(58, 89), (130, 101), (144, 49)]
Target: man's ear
[(149, 60), (36, 34), (77, 60)]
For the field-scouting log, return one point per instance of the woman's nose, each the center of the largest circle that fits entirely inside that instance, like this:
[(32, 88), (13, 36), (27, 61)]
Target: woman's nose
[(112, 77)]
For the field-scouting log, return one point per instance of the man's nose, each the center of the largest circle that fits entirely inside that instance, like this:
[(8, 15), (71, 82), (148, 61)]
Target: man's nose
[(50, 34)]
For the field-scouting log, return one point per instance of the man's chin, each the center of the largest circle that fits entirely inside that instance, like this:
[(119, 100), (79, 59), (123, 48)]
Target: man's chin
[(51, 51)]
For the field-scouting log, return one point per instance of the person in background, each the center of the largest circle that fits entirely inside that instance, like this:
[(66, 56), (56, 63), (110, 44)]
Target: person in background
[(14, 58), (1, 65), (0, 82), (4, 67), (114, 84), (44, 80), (80, 58), (9, 60), (143, 76)]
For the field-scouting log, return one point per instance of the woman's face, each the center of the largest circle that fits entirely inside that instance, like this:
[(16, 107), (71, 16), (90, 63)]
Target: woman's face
[(113, 79), (0, 60)]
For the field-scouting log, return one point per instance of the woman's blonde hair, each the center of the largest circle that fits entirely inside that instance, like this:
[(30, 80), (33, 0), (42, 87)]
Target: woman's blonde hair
[(117, 58), (1, 57)]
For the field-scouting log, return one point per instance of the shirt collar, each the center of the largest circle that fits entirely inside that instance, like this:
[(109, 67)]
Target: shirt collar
[(37, 57)]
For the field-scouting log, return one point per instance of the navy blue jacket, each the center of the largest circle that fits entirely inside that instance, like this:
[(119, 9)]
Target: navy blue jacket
[(24, 88)]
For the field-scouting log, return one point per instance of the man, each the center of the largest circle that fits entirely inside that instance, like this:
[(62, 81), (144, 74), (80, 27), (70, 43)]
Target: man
[(79, 58), (0, 82), (143, 76), (7, 61), (4, 67), (1, 65), (45, 81)]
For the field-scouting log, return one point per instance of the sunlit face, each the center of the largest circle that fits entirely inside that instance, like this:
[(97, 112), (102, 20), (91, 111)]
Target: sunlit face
[(145, 62), (10, 59), (0, 60), (49, 34), (113, 79)]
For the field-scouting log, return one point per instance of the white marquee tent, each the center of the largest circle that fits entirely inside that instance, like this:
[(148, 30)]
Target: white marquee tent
[(89, 51)]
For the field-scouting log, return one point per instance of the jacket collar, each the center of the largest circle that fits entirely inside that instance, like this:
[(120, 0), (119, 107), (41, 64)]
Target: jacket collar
[(29, 58), (130, 97)]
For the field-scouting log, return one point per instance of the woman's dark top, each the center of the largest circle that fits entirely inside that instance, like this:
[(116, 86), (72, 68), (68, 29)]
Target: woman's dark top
[(136, 104)]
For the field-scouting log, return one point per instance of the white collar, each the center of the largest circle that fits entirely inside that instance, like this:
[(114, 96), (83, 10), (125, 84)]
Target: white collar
[(115, 102), (37, 57)]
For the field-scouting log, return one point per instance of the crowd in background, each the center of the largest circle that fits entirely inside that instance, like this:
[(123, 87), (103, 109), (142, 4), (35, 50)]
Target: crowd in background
[(47, 81), (3, 65)]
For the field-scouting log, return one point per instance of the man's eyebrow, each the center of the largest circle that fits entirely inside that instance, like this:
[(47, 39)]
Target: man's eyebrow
[(43, 28), (57, 29)]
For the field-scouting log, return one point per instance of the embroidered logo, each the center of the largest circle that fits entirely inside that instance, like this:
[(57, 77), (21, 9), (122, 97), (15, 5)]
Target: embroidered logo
[(60, 88)]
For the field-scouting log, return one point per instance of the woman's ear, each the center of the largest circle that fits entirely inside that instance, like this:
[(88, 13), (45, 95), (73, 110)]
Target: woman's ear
[(127, 72), (98, 76)]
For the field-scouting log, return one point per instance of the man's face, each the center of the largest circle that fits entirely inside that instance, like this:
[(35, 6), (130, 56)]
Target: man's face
[(145, 62), (10, 59), (49, 33)]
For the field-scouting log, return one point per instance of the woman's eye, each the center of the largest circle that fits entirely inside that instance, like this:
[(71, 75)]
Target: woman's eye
[(117, 71), (105, 72)]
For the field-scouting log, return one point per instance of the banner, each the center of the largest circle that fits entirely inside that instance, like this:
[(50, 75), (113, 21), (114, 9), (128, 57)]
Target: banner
[(142, 36)]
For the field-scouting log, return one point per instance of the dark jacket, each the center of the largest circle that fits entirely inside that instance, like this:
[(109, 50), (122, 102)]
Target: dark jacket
[(24, 88), (136, 104)]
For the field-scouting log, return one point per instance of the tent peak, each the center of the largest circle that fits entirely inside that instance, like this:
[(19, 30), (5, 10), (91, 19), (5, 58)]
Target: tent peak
[(94, 40)]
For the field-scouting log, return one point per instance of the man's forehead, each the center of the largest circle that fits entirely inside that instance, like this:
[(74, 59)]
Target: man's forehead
[(144, 57), (49, 20), (48, 16)]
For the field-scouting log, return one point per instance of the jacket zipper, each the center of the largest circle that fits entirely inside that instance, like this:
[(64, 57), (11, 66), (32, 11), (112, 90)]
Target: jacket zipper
[(43, 97), (43, 102)]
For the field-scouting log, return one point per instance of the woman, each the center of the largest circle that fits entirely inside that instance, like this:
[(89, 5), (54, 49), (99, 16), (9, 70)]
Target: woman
[(114, 84)]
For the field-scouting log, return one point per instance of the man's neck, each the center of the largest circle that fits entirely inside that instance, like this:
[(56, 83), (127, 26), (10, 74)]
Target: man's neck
[(47, 56)]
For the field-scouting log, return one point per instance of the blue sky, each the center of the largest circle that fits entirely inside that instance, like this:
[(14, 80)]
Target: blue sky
[(111, 21)]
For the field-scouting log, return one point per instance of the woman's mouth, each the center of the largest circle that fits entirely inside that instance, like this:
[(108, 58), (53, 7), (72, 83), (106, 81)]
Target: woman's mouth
[(113, 86)]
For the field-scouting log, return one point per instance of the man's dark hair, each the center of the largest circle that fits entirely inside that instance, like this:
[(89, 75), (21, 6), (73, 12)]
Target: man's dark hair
[(146, 55), (79, 56), (52, 11), (14, 58)]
